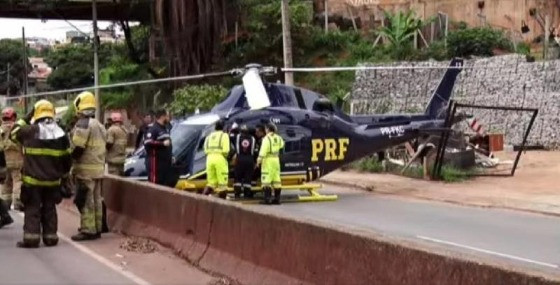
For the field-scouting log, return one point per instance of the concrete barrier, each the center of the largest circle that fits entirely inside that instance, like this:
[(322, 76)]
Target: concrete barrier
[(257, 247)]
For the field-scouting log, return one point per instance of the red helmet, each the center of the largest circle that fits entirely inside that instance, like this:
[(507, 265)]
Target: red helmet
[(116, 117), (9, 114)]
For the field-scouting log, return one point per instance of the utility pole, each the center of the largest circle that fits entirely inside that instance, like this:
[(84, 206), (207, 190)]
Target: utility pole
[(287, 37), (8, 80), (96, 60), (25, 59)]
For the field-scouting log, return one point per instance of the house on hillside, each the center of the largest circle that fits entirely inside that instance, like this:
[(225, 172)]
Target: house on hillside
[(37, 78)]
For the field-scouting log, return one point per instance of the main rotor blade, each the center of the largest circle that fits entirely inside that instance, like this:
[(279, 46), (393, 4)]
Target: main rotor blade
[(256, 95), (364, 68), (131, 83)]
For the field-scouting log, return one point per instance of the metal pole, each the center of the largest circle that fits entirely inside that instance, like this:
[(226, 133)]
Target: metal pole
[(25, 60), (8, 80), (326, 16), (96, 61), (546, 36), (287, 36)]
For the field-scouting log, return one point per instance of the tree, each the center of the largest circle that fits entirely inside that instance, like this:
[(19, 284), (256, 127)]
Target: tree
[(203, 97), (262, 27), (400, 32), (73, 64), (11, 51), (191, 31)]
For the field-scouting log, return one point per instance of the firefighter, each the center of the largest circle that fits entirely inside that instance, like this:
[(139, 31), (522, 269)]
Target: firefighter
[(259, 135), (216, 147), (46, 160), (159, 150), (117, 139), (14, 161), (270, 162), (5, 218), (245, 145), (89, 141)]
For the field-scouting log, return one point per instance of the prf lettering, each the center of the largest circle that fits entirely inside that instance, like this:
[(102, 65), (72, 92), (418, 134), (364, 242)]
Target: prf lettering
[(333, 149)]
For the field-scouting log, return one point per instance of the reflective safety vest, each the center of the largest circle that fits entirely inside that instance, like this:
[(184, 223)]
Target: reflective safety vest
[(217, 142), (271, 146), (46, 153), (118, 138), (90, 135)]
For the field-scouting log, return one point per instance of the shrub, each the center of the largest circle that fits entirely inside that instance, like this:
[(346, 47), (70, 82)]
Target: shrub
[(476, 41), (523, 48), (187, 99)]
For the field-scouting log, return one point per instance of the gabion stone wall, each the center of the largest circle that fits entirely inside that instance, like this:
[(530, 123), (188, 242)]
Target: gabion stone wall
[(497, 81)]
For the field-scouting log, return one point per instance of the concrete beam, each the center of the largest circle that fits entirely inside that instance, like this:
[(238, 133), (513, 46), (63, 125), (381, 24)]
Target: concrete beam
[(76, 10)]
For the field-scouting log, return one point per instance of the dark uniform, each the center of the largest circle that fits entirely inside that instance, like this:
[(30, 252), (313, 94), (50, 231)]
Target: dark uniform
[(245, 149), (142, 131), (159, 157), (46, 160)]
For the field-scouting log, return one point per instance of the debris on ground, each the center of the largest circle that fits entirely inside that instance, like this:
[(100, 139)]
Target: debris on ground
[(138, 244)]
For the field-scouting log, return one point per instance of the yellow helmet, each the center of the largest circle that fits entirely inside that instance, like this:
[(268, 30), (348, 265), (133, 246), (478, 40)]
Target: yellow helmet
[(43, 109), (84, 101)]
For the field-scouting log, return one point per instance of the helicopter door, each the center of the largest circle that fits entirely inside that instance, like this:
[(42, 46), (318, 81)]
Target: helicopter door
[(295, 155)]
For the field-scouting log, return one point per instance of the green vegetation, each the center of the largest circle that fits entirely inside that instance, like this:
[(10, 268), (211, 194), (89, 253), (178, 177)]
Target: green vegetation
[(259, 41), (477, 41), (203, 97), (400, 33), (11, 51), (371, 164)]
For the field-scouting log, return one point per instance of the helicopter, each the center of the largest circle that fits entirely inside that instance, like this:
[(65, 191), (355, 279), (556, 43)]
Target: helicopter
[(319, 136)]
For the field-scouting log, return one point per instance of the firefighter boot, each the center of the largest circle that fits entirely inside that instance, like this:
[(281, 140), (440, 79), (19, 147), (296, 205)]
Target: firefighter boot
[(5, 218), (84, 236), (28, 244), (276, 200), (247, 193), (7, 203), (207, 191), (267, 195), (104, 226), (237, 191)]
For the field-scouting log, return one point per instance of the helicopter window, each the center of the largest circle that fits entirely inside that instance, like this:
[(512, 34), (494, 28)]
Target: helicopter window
[(185, 137), (281, 96)]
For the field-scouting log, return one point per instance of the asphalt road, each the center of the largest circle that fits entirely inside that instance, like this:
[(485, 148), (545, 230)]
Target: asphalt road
[(63, 264), (519, 238)]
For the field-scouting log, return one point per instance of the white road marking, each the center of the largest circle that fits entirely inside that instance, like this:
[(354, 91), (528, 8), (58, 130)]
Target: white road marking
[(489, 252), (133, 277)]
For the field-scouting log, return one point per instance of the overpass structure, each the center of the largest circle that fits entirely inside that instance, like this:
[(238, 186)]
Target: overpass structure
[(108, 10)]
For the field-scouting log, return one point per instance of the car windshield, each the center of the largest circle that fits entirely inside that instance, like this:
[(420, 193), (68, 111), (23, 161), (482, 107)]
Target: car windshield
[(184, 137)]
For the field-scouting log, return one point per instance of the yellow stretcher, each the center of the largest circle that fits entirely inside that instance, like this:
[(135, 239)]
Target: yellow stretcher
[(289, 183)]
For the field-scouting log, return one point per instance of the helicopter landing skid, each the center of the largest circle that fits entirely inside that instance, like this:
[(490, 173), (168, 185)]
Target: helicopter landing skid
[(312, 195)]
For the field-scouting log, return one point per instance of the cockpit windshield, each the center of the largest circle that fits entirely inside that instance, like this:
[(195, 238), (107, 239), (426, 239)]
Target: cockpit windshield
[(185, 137)]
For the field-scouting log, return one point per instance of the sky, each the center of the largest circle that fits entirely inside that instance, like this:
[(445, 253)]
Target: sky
[(52, 29)]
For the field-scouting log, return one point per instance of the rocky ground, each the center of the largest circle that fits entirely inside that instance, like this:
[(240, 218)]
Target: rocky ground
[(535, 186)]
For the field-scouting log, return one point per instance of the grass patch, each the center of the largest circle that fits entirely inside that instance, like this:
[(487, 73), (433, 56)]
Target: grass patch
[(371, 164)]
